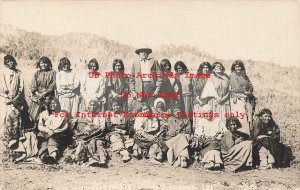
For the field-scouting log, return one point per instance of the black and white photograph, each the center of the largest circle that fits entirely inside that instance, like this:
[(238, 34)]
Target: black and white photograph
[(149, 95)]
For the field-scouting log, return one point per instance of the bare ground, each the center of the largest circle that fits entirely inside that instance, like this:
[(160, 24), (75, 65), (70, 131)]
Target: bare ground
[(142, 175)]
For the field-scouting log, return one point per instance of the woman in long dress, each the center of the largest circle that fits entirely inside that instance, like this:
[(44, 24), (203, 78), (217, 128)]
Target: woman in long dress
[(170, 87), (198, 86), (92, 86), (236, 148), (42, 87), (11, 131), (241, 98), (117, 87), (186, 87), (67, 84), (217, 89)]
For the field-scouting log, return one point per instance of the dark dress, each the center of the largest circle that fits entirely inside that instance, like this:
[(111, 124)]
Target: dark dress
[(169, 92), (271, 141), (116, 86), (43, 82)]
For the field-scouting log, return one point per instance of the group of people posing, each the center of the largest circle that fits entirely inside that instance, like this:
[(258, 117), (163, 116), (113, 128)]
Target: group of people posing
[(163, 128)]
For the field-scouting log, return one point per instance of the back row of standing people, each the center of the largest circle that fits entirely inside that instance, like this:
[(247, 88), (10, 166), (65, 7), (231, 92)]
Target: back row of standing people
[(221, 93)]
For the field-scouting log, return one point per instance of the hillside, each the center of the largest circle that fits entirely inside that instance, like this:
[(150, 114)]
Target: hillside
[(276, 87)]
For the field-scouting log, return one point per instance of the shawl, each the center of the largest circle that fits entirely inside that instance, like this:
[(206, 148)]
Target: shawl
[(240, 83)]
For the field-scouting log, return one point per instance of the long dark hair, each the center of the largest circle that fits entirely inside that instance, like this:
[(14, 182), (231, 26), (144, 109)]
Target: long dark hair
[(163, 64), (218, 63), (94, 60), (264, 111), (181, 64), (233, 120), (201, 66), (46, 60), (116, 61), (57, 104), (239, 63), (8, 58), (64, 61)]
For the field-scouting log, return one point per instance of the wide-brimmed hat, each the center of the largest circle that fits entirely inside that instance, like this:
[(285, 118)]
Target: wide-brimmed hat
[(147, 50)]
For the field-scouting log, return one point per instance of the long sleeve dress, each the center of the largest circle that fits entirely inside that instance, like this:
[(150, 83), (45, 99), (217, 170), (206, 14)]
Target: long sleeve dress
[(11, 88), (240, 102), (209, 145), (236, 150), (217, 87), (198, 86), (117, 86), (186, 93), (92, 88), (89, 141), (43, 84), (49, 144), (268, 136), (178, 137), (169, 91), (67, 84)]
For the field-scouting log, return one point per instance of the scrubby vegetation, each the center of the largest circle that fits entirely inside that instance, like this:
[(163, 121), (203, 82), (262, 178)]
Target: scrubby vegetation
[(276, 87)]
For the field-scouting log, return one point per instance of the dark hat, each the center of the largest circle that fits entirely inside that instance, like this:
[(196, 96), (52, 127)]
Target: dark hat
[(148, 50)]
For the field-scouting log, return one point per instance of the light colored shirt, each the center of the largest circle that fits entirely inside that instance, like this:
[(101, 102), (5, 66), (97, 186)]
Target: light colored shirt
[(210, 128), (67, 80), (92, 87)]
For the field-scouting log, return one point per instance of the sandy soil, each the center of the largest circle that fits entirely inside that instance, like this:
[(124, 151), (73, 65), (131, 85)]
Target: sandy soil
[(141, 175)]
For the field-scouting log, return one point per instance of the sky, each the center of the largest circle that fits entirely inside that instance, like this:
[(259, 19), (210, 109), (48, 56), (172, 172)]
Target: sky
[(259, 30)]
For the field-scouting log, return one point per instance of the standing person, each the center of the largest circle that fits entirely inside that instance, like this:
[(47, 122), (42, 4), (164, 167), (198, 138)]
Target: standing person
[(198, 86), (117, 87), (170, 86), (186, 87), (11, 85), (42, 87), (241, 98), (144, 89), (92, 87), (217, 89), (11, 89), (67, 84)]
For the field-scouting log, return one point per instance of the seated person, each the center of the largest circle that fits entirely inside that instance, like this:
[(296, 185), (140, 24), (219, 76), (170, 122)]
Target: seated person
[(268, 152), (117, 127), (209, 132), (89, 135), (53, 132), (177, 138), (147, 130), (236, 149)]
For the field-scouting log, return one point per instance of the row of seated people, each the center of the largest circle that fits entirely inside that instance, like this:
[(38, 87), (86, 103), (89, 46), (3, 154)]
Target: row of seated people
[(89, 139)]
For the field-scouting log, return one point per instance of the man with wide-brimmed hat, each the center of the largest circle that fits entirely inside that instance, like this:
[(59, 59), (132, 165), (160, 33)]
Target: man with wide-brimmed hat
[(145, 88)]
